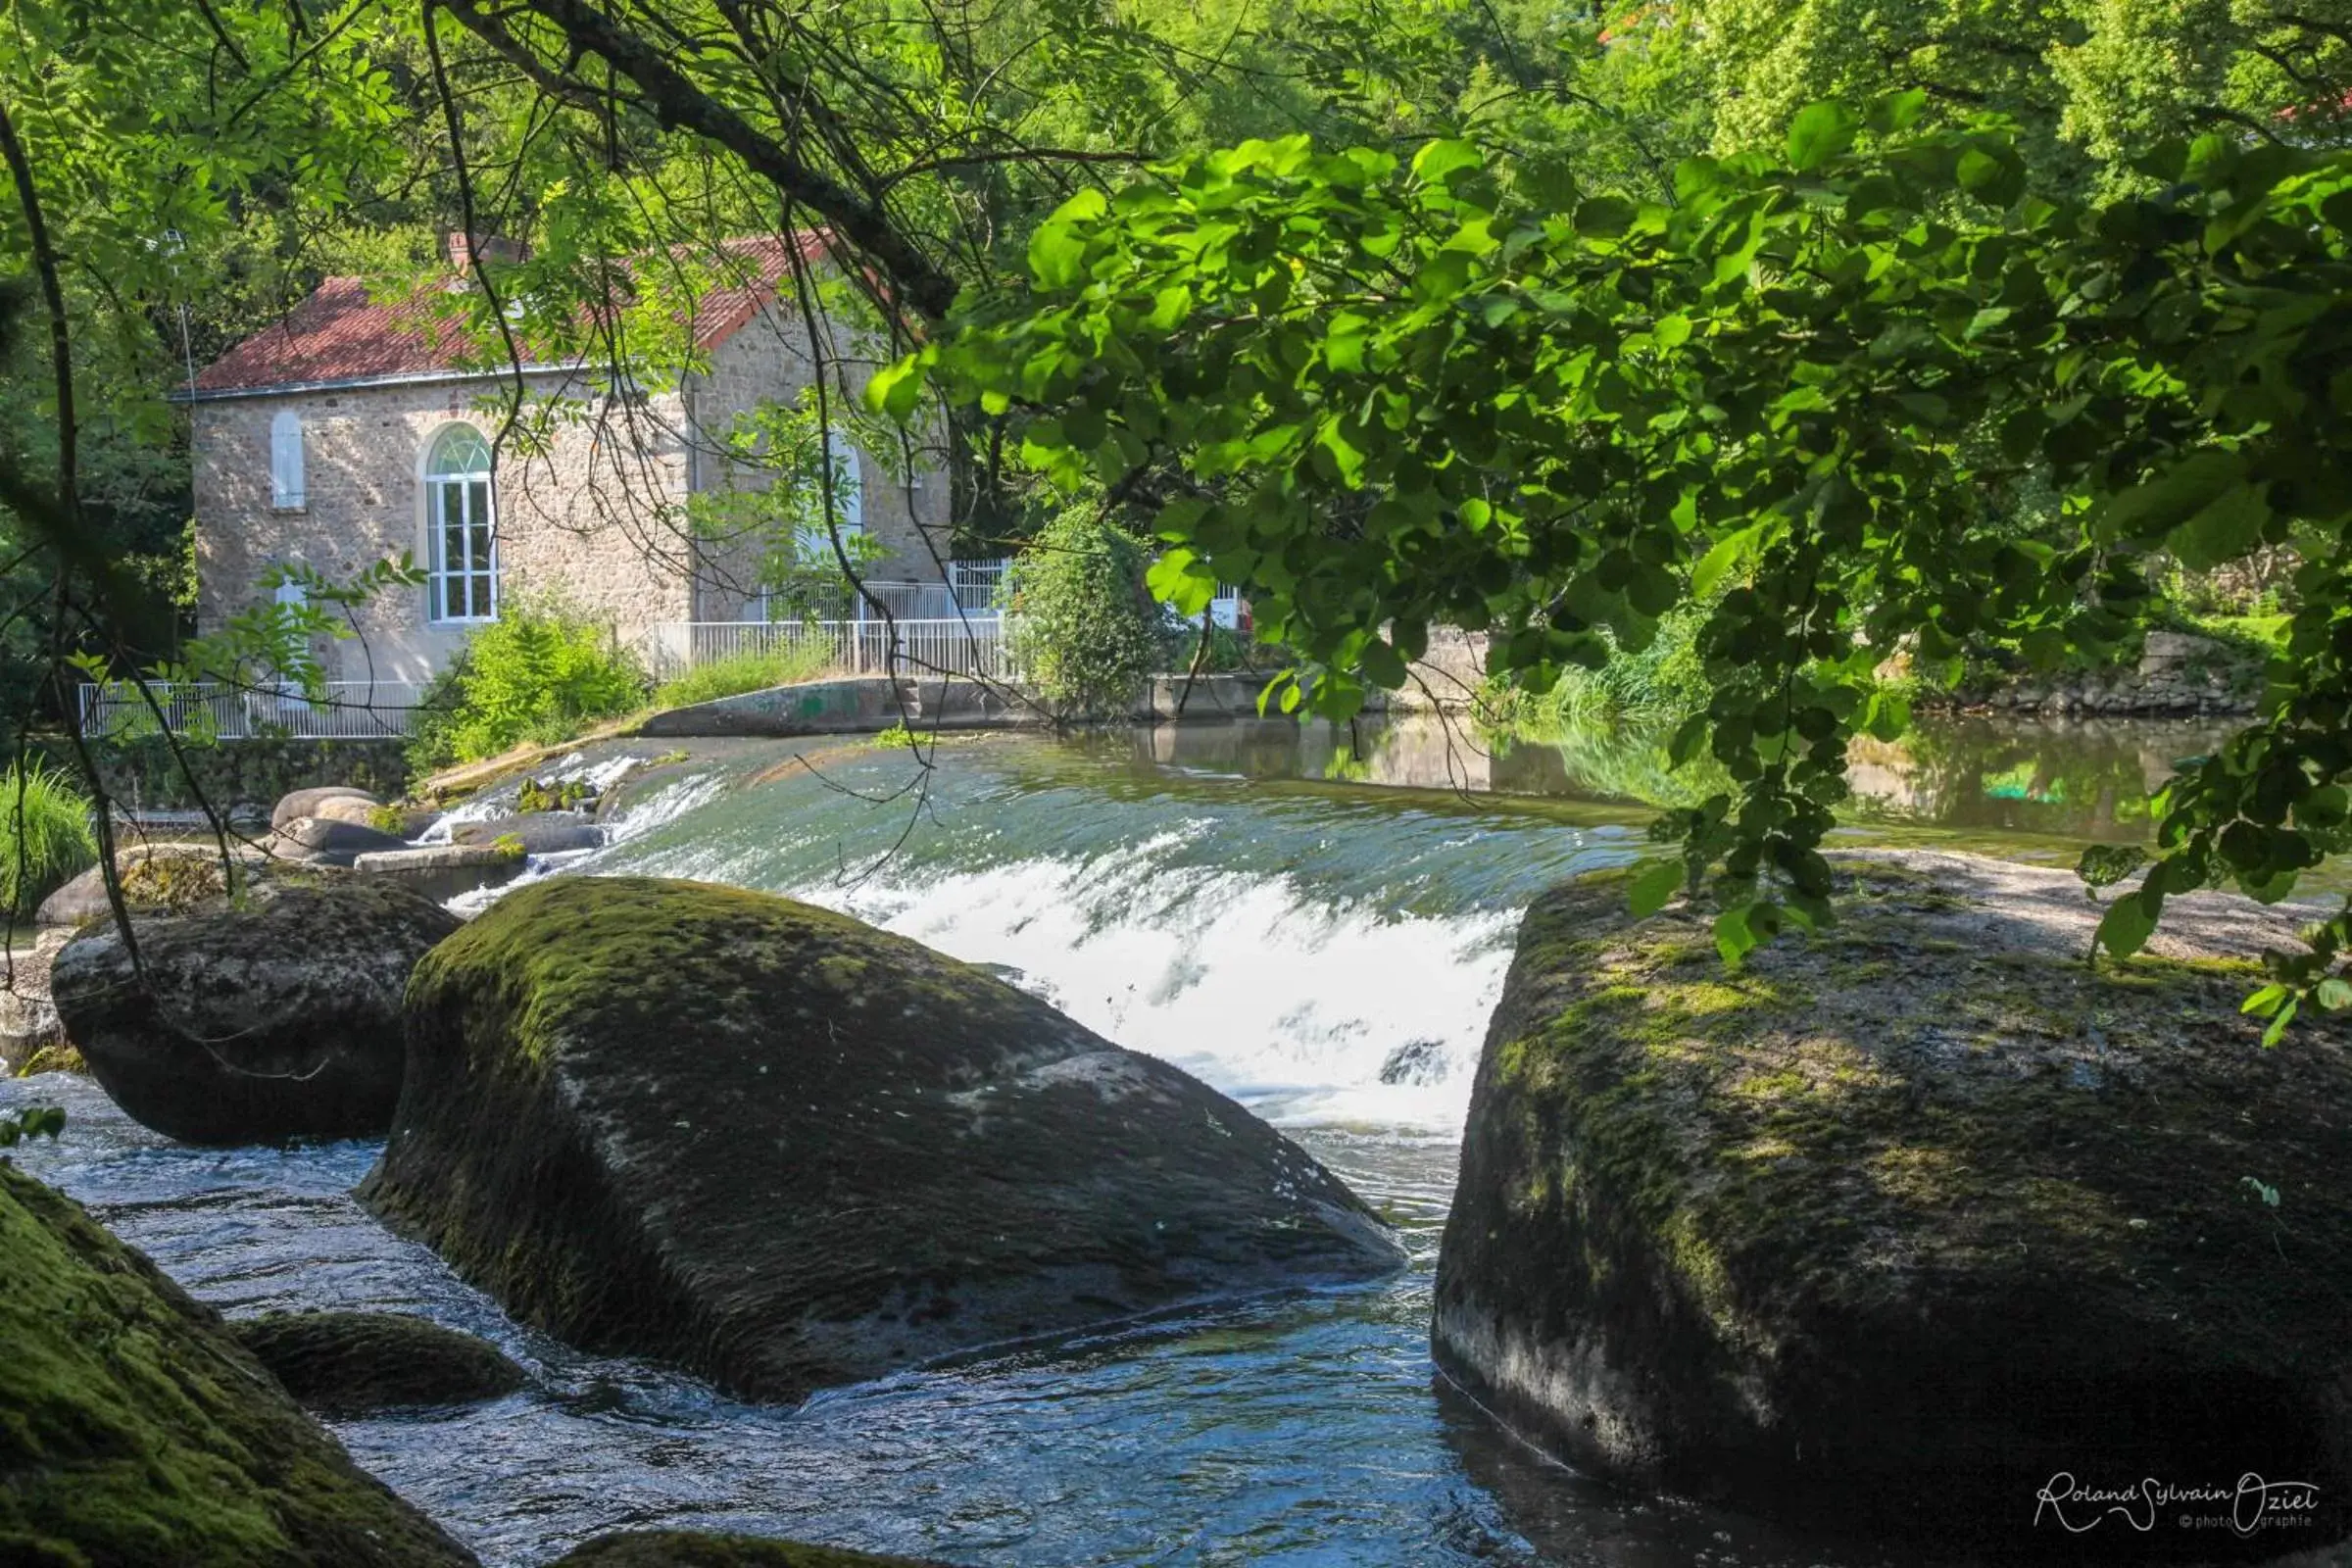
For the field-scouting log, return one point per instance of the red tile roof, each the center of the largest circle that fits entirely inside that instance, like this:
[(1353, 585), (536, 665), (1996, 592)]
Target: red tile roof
[(342, 333)]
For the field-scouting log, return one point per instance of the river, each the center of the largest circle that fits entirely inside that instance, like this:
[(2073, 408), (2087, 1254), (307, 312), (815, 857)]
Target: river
[(1317, 922)]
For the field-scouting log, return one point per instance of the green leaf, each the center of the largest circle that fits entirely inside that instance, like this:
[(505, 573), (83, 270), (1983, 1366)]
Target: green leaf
[(1057, 253), (1654, 886), (896, 390), (1733, 937), (1732, 550), (2333, 993), (1437, 160), (2127, 925), (2269, 999), (2102, 865), (1604, 217), (2279, 1022), (1183, 580), (2224, 528), (1383, 664), (1819, 133), (2154, 508)]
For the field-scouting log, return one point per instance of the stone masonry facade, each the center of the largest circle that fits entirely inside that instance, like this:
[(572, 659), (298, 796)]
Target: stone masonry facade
[(591, 514)]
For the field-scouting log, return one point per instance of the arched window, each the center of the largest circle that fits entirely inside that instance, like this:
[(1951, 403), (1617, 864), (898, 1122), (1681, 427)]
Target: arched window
[(285, 460), (460, 520)]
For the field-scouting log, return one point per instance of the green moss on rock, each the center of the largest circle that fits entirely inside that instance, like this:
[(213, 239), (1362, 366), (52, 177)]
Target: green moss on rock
[(135, 1433), (1899, 1221), (789, 1150), (685, 1548)]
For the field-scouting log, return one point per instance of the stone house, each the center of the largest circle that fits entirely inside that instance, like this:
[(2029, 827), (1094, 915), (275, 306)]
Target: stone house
[(361, 427)]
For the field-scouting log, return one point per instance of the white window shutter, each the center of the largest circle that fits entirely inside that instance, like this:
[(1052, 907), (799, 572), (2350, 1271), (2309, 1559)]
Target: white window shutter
[(285, 460), (849, 498)]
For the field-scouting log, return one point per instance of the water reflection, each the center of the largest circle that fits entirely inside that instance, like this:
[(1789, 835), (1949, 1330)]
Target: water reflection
[(2086, 778)]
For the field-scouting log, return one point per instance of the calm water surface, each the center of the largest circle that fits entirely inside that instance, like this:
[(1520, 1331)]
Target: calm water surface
[(1317, 922)]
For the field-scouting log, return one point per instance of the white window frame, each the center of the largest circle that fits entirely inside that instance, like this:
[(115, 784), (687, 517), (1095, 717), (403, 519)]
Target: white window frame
[(287, 489), (472, 492)]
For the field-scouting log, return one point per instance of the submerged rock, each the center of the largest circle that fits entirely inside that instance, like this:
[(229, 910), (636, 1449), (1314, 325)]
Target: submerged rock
[(1896, 1228), (789, 1150), (691, 1548), (323, 841), (271, 1015), (348, 1362), (138, 1434), (538, 832)]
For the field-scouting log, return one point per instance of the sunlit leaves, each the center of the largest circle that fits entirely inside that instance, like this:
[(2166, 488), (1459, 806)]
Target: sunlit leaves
[(1804, 398)]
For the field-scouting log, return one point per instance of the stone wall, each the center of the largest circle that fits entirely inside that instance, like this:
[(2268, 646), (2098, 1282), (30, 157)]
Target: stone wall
[(591, 513), (768, 361), (2177, 674), (590, 517), (142, 775)]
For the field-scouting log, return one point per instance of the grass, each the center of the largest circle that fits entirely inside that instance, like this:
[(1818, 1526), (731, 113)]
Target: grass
[(45, 835), (746, 673)]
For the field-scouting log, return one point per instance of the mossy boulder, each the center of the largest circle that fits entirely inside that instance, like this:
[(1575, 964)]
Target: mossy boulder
[(136, 1433), (268, 1014), (1895, 1226), (691, 1548), (788, 1151), (350, 1362), (161, 875)]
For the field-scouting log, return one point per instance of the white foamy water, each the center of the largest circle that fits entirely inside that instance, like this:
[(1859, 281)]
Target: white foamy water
[(1293, 1005), (1282, 998)]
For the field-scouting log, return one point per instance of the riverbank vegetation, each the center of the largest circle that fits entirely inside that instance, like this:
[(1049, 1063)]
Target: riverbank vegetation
[(537, 675), (1873, 331), (45, 835)]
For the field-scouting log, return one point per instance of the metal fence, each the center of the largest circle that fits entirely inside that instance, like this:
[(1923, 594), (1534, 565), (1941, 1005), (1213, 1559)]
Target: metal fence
[(971, 645), (348, 709)]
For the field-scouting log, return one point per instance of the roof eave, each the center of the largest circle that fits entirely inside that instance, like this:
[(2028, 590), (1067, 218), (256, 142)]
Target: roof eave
[(279, 389)]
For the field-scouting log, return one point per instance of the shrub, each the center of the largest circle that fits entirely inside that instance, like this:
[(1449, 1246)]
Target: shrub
[(1084, 631), (747, 672), (1656, 687), (45, 834), (537, 674)]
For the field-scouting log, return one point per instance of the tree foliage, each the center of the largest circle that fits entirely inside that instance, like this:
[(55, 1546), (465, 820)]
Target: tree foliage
[(1399, 396), (1082, 629)]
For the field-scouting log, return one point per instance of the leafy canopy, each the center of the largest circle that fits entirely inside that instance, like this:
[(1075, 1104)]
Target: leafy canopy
[(1809, 394)]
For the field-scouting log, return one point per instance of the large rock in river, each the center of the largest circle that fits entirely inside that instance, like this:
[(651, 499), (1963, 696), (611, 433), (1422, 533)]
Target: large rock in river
[(352, 1362), (271, 1015), (789, 1150), (135, 1433), (1905, 1225)]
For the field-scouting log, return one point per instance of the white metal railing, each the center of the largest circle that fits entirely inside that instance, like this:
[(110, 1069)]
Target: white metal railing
[(971, 645), (350, 710), (977, 584)]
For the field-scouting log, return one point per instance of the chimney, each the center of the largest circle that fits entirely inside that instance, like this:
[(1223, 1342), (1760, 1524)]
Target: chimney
[(463, 246)]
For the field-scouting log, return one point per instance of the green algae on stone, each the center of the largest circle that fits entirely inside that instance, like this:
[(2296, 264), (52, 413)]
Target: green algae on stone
[(359, 1362), (135, 1433), (686, 1548), (1885, 1220), (788, 1151)]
